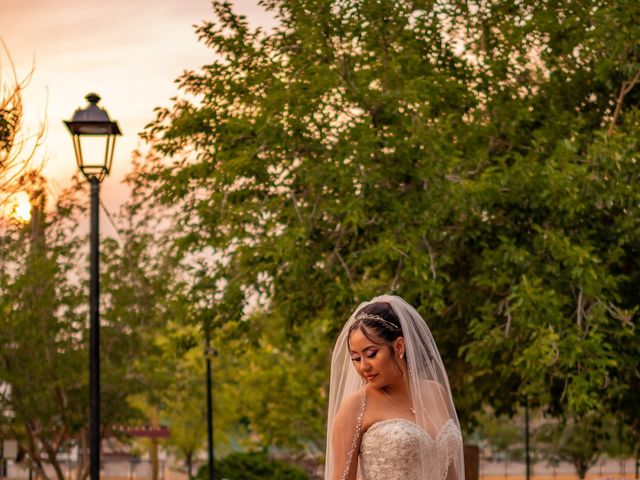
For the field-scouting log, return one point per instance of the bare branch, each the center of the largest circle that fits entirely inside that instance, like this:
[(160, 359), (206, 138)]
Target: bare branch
[(17, 146), (625, 88)]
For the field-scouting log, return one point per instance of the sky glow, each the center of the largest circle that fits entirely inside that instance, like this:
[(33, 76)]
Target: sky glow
[(128, 52)]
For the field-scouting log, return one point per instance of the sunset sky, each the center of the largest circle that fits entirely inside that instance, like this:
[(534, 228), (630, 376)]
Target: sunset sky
[(128, 52)]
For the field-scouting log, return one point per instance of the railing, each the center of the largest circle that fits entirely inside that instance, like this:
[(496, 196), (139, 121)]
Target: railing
[(112, 470), (605, 468)]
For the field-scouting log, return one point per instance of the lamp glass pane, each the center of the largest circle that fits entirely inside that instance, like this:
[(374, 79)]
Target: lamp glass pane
[(93, 150)]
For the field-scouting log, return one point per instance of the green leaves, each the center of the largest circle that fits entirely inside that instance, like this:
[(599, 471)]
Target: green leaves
[(465, 156)]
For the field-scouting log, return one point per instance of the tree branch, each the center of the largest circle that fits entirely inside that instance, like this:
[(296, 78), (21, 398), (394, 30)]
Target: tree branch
[(625, 88)]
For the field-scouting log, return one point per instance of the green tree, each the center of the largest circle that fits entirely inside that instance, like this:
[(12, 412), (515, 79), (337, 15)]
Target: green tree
[(41, 333), (183, 401), (580, 444), (477, 158), (312, 183), (43, 300), (549, 243), (150, 318)]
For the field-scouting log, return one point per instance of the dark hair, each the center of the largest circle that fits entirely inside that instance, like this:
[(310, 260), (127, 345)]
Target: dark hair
[(374, 329)]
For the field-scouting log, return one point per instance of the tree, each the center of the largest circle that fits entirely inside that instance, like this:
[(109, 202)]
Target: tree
[(17, 146), (550, 247), (580, 444), (476, 158), (309, 184), (41, 333), (150, 314), (184, 399), (44, 330)]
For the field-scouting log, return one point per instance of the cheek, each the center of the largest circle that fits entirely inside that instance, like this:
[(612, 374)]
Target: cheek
[(389, 367)]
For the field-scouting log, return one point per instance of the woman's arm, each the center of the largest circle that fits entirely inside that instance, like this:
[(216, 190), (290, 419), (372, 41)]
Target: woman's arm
[(452, 474), (345, 437)]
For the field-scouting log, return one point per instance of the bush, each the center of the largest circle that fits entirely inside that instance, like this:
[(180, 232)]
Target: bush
[(252, 466)]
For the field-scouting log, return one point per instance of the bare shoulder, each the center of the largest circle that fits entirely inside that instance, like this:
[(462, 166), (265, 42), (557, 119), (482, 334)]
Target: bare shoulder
[(350, 406)]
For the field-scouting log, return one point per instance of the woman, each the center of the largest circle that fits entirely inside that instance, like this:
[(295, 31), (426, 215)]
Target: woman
[(391, 416)]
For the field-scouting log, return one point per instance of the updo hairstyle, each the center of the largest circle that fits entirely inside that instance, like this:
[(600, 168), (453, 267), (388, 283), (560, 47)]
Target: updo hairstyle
[(384, 329)]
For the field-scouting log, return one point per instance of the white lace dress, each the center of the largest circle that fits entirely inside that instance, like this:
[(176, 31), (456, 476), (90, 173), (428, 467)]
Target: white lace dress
[(398, 449)]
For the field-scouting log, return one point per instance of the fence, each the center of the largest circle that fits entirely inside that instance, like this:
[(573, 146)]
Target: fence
[(606, 468), (112, 470)]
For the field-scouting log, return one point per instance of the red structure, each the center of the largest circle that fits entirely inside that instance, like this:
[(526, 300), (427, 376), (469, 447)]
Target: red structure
[(145, 431)]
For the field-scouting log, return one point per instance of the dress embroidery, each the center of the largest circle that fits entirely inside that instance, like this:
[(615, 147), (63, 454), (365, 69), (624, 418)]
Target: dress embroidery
[(398, 449)]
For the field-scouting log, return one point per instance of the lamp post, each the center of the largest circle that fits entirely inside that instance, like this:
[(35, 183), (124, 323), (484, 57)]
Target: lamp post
[(87, 125), (209, 352)]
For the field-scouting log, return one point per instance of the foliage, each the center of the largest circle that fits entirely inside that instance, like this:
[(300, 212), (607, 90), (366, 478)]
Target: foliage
[(503, 435), (41, 332), (140, 292), (44, 325), (477, 158), (577, 442), (159, 364), (184, 397), (252, 466)]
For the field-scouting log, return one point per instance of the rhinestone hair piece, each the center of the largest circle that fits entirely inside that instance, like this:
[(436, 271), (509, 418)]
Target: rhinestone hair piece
[(368, 316)]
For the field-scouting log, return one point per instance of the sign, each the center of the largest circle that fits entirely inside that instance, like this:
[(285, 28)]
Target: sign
[(10, 449)]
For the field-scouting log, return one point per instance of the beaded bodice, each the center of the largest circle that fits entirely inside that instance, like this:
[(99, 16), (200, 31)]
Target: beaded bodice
[(398, 449)]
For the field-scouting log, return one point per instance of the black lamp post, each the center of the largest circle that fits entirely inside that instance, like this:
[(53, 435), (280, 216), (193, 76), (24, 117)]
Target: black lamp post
[(209, 352), (94, 123)]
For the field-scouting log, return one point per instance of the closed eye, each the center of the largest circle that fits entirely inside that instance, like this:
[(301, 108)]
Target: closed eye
[(371, 354)]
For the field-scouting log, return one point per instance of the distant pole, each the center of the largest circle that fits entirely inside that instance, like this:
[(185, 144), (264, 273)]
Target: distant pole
[(209, 401), (526, 437)]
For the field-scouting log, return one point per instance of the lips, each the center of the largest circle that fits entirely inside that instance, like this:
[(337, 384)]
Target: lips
[(370, 377)]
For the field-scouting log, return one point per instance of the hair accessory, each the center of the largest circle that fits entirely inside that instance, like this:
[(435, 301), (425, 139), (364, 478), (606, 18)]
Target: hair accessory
[(378, 318)]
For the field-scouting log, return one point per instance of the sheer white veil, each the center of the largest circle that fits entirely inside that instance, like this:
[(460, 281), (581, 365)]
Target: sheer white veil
[(430, 392)]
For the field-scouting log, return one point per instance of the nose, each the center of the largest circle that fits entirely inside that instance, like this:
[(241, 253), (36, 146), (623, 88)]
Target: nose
[(364, 365)]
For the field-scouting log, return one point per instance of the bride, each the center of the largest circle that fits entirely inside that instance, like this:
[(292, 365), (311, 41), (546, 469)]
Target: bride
[(391, 416)]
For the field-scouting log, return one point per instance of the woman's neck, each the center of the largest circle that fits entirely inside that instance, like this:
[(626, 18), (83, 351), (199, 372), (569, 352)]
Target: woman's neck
[(399, 388)]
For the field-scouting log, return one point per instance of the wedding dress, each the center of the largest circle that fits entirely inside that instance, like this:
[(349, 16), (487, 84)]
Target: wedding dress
[(398, 449)]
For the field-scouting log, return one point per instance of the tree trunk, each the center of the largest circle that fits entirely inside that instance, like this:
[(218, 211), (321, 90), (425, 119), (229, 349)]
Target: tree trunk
[(40, 472), (83, 463), (581, 468), (189, 461), (57, 467)]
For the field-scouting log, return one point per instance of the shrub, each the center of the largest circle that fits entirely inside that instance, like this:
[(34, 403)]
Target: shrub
[(252, 466)]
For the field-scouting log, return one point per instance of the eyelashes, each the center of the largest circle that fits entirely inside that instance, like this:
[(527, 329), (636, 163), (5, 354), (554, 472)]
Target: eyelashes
[(368, 355)]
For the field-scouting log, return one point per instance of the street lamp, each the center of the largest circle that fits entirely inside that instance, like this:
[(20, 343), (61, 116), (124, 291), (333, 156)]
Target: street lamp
[(88, 126)]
